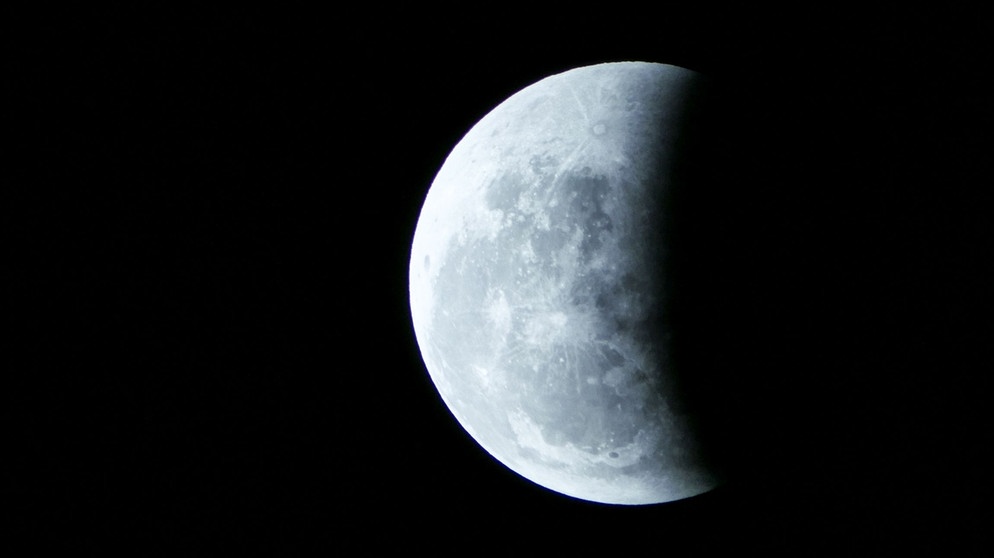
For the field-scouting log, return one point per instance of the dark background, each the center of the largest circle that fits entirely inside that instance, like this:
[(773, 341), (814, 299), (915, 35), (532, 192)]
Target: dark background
[(207, 218)]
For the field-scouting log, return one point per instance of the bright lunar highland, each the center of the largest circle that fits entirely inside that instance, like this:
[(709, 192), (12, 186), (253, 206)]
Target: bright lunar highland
[(535, 278)]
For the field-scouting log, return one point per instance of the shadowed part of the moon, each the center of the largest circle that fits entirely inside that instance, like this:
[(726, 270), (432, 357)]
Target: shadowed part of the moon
[(728, 273), (693, 235)]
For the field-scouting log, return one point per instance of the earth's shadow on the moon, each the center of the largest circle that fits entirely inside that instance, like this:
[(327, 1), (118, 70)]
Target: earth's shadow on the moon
[(757, 299), (709, 234)]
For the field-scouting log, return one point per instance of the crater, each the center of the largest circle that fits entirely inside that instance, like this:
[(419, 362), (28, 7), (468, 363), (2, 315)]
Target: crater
[(613, 454), (599, 129)]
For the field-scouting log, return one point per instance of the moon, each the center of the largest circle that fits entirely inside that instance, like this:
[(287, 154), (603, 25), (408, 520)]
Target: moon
[(535, 278)]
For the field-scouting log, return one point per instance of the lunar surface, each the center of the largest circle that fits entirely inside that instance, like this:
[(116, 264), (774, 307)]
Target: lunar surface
[(535, 279)]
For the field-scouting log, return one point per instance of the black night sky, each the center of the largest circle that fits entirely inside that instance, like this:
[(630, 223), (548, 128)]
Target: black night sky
[(207, 218)]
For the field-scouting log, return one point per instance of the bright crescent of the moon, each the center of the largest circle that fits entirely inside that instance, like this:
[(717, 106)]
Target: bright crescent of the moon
[(534, 286)]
